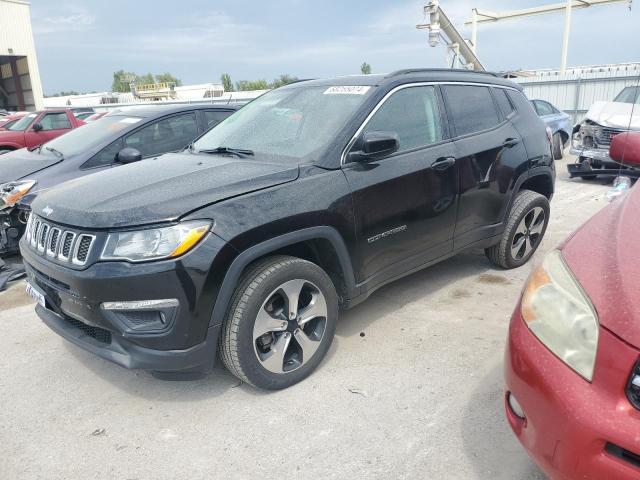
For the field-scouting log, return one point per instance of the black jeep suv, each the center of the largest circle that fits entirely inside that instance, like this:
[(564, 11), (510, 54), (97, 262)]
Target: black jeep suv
[(303, 202)]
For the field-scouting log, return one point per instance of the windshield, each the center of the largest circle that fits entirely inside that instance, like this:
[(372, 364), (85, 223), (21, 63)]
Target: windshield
[(91, 135), (629, 95), (22, 124), (293, 123)]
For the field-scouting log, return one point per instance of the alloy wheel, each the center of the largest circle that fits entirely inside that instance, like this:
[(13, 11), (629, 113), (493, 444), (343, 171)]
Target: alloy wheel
[(528, 234), (289, 326)]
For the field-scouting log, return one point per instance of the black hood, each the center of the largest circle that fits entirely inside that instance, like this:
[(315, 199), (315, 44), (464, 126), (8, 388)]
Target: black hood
[(22, 163), (158, 190)]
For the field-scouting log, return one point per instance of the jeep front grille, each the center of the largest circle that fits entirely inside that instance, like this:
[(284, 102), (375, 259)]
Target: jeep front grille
[(57, 242)]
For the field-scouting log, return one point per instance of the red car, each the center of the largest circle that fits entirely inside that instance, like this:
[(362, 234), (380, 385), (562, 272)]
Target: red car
[(572, 363), (37, 128)]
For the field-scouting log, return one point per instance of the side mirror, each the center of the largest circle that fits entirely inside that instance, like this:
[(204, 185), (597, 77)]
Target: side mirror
[(625, 148), (128, 155), (37, 127), (375, 145)]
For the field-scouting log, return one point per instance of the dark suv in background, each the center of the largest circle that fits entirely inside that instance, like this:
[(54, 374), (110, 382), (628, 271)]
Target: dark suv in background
[(303, 202)]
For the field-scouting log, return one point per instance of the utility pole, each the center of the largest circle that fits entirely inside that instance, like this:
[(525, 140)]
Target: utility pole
[(483, 16), (565, 38)]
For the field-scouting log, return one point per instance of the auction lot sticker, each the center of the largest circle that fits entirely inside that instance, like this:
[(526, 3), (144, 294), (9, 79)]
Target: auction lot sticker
[(346, 90)]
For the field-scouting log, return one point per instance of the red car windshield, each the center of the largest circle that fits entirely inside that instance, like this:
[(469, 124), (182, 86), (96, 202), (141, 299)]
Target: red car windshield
[(22, 124)]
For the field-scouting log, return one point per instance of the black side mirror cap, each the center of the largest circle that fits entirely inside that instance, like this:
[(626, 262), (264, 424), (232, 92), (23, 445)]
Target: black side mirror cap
[(128, 155), (37, 127), (375, 145)]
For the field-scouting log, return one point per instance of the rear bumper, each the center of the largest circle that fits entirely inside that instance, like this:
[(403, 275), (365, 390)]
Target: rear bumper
[(129, 355), (571, 424)]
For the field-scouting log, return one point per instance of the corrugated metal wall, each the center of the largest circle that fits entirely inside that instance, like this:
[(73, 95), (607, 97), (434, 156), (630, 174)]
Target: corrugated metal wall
[(577, 89), (16, 41)]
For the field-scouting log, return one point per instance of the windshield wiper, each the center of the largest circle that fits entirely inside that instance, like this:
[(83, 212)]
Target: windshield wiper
[(240, 152), (54, 151)]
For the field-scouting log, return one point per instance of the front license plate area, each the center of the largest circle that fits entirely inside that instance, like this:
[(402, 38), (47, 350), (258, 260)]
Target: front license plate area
[(34, 293)]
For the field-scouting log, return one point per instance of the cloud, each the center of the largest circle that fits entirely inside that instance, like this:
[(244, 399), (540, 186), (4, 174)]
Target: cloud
[(70, 18)]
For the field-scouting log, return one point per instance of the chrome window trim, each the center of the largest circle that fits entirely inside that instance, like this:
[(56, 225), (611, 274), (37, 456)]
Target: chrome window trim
[(52, 253), (61, 257), (76, 248), (355, 136)]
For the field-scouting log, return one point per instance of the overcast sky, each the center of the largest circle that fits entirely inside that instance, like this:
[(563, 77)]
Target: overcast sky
[(80, 43)]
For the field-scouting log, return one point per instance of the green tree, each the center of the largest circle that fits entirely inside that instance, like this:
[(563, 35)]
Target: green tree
[(282, 80), (145, 79), (168, 78), (365, 68), (121, 81), (225, 78), (245, 85)]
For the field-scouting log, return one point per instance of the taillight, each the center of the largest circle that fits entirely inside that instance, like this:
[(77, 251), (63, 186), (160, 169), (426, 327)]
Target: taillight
[(549, 135)]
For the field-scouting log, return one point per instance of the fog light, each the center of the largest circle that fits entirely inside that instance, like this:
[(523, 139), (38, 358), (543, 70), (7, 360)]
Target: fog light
[(515, 406), (143, 316), (141, 304)]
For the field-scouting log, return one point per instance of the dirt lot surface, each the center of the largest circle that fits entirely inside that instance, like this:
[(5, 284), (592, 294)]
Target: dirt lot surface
[(412, 388)]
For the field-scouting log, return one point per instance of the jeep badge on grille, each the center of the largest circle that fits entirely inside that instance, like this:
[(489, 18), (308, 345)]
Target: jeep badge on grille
[(47, 210)]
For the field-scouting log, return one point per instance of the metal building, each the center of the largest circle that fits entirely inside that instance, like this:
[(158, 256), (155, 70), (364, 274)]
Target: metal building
[(579, 87), (20, 87)]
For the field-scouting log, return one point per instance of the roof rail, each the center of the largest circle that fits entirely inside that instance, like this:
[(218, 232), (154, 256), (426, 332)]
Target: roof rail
[(408, 71)]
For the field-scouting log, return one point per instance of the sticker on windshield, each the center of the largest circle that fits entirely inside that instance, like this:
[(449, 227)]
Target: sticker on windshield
[(346, 90), (130, 120)]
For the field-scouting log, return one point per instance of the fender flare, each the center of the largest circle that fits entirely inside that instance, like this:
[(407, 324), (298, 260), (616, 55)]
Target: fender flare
[(232, 276), (536, 172)]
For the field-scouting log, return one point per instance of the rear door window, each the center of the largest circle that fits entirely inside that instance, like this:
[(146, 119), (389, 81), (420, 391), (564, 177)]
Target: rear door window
[(214, 117), (503, 102), (543, 108), (471, 108)]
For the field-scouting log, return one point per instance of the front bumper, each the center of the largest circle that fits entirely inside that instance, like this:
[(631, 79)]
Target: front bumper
[(188, 339), (600, 154), (573, 429)]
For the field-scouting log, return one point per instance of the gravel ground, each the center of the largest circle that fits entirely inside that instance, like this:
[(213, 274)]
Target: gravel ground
[(411, 388)]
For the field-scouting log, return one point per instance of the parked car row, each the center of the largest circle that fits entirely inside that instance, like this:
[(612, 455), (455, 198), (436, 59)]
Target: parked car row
[(248, 242)]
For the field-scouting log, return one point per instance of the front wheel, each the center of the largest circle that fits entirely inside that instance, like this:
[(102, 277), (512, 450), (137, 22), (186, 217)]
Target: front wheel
[(280, 324), (525, 228)]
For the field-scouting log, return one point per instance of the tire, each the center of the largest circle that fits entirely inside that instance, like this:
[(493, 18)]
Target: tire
[(4, 150), (523, 223), (558, 146), (259, 301)]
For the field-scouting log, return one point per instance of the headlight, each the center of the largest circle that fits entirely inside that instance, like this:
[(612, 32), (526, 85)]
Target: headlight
[(11, 192), (560, 314), (154, 243)]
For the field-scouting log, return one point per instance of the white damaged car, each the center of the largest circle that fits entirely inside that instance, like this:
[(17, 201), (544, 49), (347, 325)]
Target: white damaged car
[(603, 121)]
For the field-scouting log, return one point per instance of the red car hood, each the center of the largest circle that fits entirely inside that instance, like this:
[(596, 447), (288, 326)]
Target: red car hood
[(603, 255)]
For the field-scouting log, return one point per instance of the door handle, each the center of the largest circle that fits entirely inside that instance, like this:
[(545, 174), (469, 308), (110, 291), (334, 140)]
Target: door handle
[(443, 163), (510, 142)]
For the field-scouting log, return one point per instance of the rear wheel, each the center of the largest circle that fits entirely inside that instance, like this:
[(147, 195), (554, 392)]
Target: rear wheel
[(526, 226), (558, 146), (280, 324), (4, 150)]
